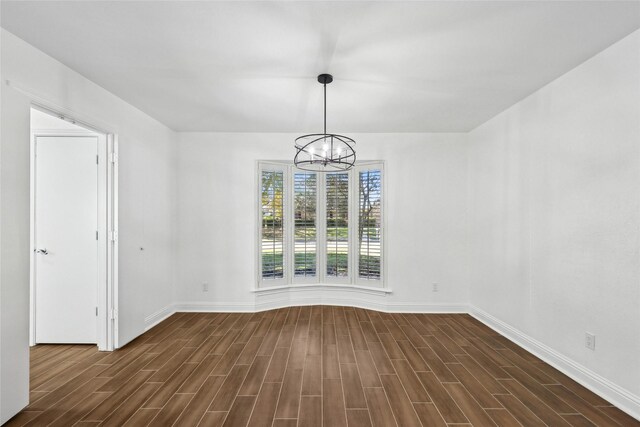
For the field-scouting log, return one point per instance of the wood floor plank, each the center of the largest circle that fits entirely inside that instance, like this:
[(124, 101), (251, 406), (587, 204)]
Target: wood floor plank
[(413, 357), (289, 400), (333, 412), (22, 418), (391, 346), (358, 339), (70, 386), (593, 414), (620, 417), (380, 358), (199, 374), (358, 418), (309, 366), (502, 418), (228, 360), (519, 410), (530, 368), (345, 349), (369, 332), (445, 355), (68, 403), (89, 403), (444, 403), (285, 422), (130, 406), (381, 414), (352, 385), (116, 398), (477, 390), (278, 364), (487, 380), (240, 411), (533, 402), (330, 363), (368, 372), (142, 417), (170, 387), (201, 400), (540, 391), (413, 386), (437, 365), (312, 376), (468, 405), (213, 419), (172, 410), (231, 385), (265, 406), (578, 420), (310, 411), (255, 376), (399, 401), (429, 415)]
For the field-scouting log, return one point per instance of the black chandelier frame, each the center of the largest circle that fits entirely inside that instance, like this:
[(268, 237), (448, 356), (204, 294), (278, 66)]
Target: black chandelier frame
[(335, 152)]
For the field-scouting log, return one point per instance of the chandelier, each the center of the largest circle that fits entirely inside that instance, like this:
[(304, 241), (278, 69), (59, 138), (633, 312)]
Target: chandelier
[(324, 152)]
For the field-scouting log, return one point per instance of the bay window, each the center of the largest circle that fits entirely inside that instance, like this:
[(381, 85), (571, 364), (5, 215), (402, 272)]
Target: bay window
[(320, 228)]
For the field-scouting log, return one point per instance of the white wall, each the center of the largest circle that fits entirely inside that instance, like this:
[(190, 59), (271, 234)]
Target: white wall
[(426, 220), (147, 194), (554, 198)]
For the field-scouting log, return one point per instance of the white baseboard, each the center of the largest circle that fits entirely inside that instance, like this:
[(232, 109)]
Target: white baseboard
[(618, 396), (273, 304), (210, 307), (157, 317)]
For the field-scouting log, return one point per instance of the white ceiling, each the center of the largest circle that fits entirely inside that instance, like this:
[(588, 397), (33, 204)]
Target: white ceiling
[(251, 66)]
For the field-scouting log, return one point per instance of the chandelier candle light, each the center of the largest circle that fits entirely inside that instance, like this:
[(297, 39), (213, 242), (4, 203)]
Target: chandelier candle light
[(324, 152)]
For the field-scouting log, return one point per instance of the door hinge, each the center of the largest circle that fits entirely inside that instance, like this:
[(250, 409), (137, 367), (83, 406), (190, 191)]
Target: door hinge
[(96, 311), (114, 157), (113, 235), (96, 234), (113, 313), (97, 159)]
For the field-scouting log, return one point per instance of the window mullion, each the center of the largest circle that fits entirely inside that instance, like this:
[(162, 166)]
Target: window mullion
[(321, 228), (289, 221), (353, 224)]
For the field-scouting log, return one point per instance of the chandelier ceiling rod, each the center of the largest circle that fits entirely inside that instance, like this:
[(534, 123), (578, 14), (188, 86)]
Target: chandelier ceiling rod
[(325, 108), (324, 152)]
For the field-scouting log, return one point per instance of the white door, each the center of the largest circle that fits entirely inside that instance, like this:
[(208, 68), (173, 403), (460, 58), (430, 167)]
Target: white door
[(66, 224)]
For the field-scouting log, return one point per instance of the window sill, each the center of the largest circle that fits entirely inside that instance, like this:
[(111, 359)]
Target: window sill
[(323, 286)]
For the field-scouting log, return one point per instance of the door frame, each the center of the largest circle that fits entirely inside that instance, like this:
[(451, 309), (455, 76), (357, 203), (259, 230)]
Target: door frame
[(107, 300)]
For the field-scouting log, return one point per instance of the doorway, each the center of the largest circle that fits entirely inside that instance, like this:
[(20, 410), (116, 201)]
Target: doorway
[(69, 233)]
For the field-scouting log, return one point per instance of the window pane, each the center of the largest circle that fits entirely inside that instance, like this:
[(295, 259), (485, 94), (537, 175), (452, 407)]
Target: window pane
[(272, 227), (369, 224), (304, 213), (337, 224)]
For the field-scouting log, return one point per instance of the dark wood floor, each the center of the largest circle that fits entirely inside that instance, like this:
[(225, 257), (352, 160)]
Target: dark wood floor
[(309, 366)]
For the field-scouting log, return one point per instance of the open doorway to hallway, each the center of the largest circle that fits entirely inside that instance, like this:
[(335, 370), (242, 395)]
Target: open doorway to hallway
[(69, 232)]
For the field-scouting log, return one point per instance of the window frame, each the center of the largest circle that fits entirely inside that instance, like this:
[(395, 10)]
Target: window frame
[(321, 278), (297, 280), (272, 167), (365, 166)]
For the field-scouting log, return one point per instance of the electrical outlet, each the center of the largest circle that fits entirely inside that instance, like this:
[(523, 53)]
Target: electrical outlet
[(205, 287), (590, 341), (435, 287)]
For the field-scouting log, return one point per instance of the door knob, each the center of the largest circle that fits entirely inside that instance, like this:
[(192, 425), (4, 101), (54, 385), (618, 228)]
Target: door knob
[(42, 251)]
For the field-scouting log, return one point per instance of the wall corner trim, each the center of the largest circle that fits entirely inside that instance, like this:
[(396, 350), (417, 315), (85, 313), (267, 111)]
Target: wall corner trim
[(618, 396), (157, 317)]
